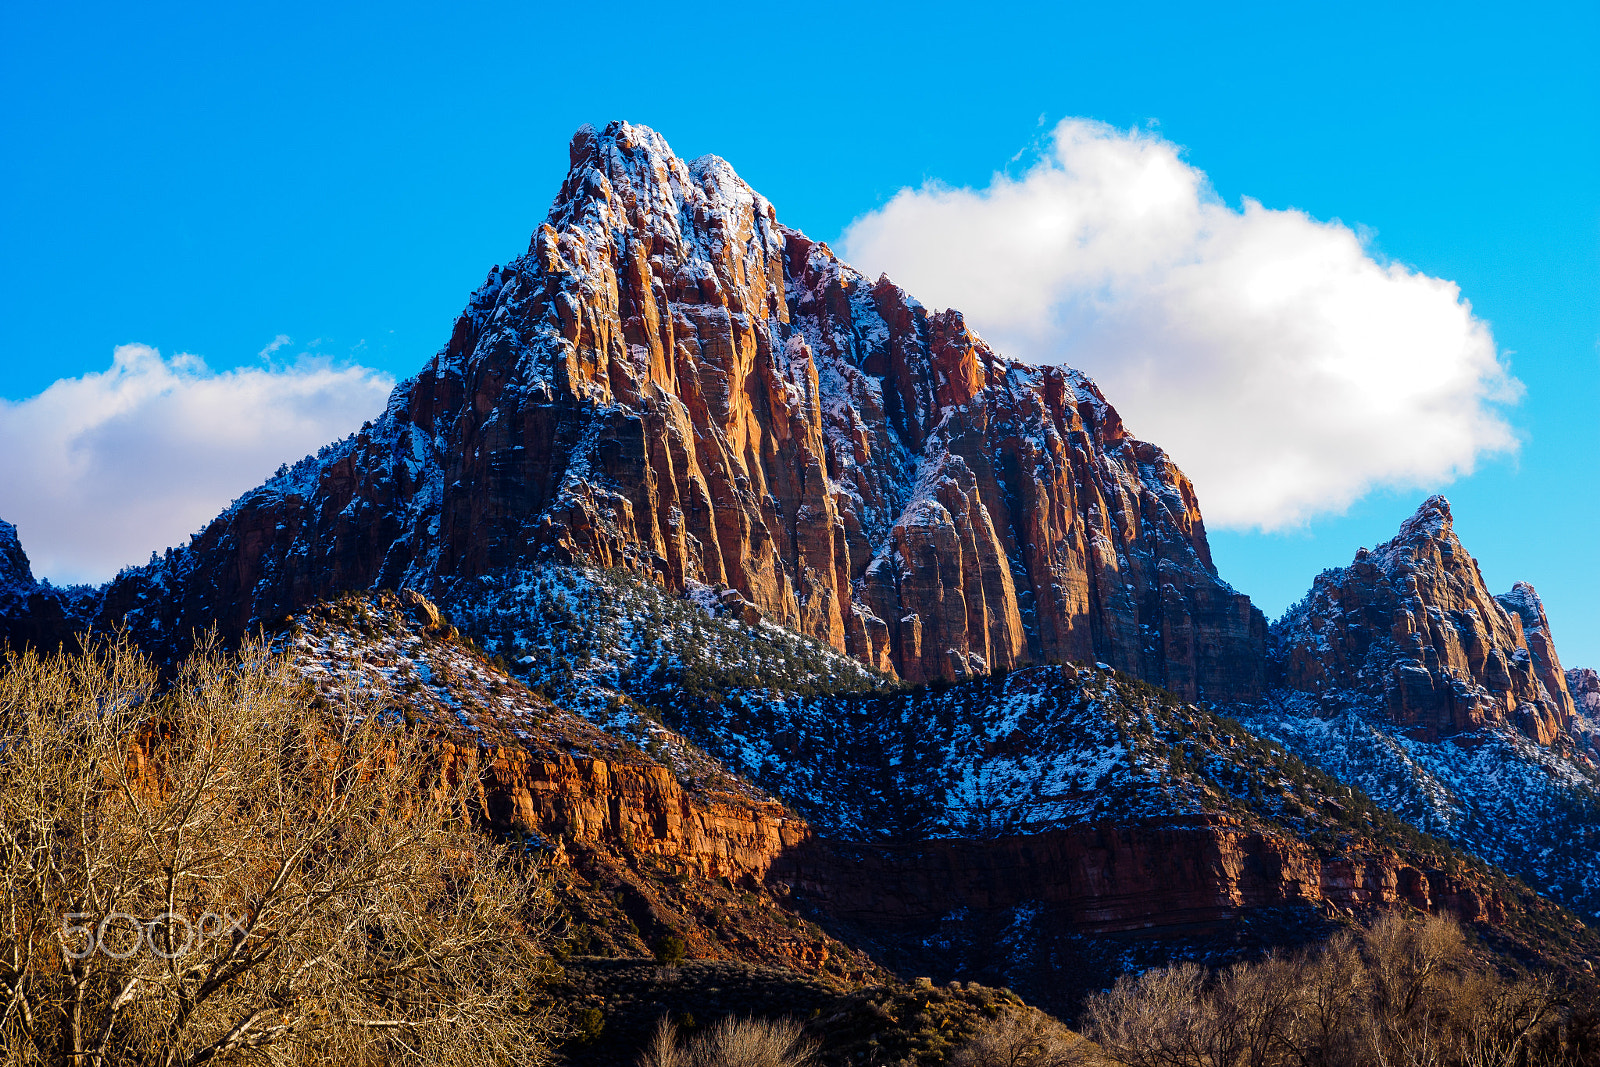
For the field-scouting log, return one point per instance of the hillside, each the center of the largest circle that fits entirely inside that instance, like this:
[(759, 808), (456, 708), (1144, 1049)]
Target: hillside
[(1403, 676), (997, 830)]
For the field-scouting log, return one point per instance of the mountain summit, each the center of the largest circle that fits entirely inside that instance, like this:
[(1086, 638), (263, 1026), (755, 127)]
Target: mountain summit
[(1411, 627), (672, 382), (1402, 676)]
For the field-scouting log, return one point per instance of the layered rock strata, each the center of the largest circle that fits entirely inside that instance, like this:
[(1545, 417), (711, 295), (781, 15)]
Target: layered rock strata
[(1104, 879), (1409, 627), (672, 381), (554, 777), (1099, 879)]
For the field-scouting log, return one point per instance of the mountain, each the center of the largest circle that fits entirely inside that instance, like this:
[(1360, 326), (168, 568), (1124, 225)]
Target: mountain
[(1411, 628), (782, 616), (673, 382), (1042, 830), (1402, 676)]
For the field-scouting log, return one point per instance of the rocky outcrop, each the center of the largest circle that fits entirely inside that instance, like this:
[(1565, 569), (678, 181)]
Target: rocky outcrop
[(1524, 604), (672, 381), (1584, 686), (1410, 628), (632, 803), (16, 576)]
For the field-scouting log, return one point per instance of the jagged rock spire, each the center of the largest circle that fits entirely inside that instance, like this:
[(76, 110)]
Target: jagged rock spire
[(1411, 627)]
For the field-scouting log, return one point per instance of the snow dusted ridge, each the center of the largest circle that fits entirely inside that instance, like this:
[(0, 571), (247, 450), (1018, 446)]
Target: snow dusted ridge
[(374, 655), (1041, 748), (591, 638), (866, 759), (1528, 809), (1402, 676)]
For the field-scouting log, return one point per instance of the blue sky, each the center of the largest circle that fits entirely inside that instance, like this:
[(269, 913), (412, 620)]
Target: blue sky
[(203, 181)]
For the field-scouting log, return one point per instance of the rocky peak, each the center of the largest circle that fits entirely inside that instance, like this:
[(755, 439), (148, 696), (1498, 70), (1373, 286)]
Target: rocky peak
[(15, 573), (1410, 627), (1525, 607), (1583, 684), (672, 382)]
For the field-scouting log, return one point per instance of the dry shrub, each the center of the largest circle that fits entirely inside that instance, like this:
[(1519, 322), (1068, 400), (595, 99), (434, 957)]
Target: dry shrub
[(732, 1042), (1400, 992), (1022, 1037), (358, 918)]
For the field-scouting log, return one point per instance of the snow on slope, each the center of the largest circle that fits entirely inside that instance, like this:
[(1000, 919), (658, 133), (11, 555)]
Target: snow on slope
[(1531, 810), (865, 758), (369, 653)]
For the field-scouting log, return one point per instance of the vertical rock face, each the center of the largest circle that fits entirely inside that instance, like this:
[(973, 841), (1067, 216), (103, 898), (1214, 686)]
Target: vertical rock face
[(1411, 626), (1523, 603), (16, 576), (672, 381), (1584, 685)]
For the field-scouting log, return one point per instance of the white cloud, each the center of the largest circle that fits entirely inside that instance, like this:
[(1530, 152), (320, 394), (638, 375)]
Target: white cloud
[(273, 345), (1284, 366), (104, 468)]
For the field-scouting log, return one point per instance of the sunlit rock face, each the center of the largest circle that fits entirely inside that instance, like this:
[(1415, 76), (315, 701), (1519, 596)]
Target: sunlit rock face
[(1410, 627), (672, 381)]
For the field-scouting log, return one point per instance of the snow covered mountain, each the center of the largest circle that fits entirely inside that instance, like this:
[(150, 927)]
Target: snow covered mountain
[(1402, 676), (672, 381), (682, 472)]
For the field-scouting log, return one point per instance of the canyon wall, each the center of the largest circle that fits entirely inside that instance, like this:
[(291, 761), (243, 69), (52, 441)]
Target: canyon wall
[(1099, 878)]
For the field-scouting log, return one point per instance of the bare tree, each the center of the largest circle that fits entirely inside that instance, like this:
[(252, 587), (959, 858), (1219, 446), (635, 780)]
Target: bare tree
[(1252, 1013), (1505, 1019), (1333, 993), (216, 871), (1413, 969), (1155, 1019)]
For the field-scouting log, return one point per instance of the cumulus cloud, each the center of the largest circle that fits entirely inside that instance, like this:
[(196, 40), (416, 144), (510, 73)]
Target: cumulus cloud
[(1286, 366), (102, 469)]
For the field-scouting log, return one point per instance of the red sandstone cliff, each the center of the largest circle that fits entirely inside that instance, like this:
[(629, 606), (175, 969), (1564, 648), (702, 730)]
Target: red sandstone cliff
[(1100, 878), (672, 381), (678, 838), (1411, 626)]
